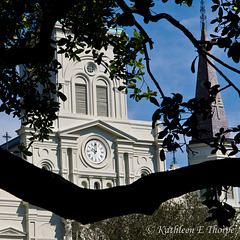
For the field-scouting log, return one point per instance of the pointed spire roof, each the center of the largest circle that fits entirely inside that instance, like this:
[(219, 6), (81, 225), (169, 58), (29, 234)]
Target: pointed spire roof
[(206, 73)]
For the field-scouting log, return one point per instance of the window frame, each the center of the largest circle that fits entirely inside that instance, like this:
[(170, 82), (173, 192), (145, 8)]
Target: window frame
[(81, 80), (102, 84), (77, 101)]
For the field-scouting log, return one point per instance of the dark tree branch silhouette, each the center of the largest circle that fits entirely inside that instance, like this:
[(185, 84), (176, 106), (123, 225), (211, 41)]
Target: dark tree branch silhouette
[(62, 197)]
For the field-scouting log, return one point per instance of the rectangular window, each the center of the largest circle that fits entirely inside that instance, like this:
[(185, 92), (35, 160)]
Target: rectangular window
[(81, 98), (102, 101)]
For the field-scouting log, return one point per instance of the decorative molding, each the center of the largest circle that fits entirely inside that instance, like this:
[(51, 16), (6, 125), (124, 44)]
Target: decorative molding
[(12, 232), (101, 124)]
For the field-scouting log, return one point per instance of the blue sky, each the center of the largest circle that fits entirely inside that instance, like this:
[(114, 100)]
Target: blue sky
[(170, 63)]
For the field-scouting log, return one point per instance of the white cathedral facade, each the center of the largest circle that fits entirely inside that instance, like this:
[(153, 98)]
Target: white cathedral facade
[(93, 144)]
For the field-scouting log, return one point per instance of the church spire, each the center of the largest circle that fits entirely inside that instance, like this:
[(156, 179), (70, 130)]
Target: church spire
[(206, 73)]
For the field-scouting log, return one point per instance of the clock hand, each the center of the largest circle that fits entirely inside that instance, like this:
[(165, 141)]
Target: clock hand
[(95, 148)]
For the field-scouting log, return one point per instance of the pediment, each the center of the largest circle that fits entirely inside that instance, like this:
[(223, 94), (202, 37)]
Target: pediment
[(101, 125), (11, 232)]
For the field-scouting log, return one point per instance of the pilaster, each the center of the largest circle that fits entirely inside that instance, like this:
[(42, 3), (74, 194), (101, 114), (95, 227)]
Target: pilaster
[(160, 165), (124, 167), (68, 152), (64, 162)]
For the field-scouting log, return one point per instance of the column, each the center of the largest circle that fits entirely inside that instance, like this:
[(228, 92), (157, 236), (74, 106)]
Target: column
[(120, 168), (74, 165), (160, 165), (64, 162), (124, 166), (128, 157)]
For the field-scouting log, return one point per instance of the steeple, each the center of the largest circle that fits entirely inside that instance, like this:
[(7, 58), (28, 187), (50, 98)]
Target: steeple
[(202, 11), (206, 73), (199, 151)]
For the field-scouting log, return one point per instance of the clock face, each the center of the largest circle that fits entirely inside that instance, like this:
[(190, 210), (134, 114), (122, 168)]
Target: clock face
[(95, 151)]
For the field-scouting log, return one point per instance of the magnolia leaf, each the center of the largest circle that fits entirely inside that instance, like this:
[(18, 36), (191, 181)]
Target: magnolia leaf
[(120, 88), (62, 96), (154, 101), (193, 65), (162, 155)]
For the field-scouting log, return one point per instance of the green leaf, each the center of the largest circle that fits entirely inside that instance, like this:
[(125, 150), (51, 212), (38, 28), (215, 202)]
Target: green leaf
[(214, 151), (156, 116), (235, 149), (163, 133), (62, 96), (28, 153), (135, 33), (189, 3), (178, 97), (120, 88), (223, 150), (237, 138), (214, 21), (216, 2), (193, 65), (220, 12), (132, 85), (162, 155), (154, 101), (214, 8), (62, 41)]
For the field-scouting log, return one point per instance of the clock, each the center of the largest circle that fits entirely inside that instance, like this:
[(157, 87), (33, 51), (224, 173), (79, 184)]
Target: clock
[(95, 151)]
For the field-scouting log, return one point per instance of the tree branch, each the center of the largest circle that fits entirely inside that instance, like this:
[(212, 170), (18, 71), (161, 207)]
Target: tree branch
[(222, 63), (129, 13), (187, 33), (196, 44), (52, 192), (223, 76), (149, 70)]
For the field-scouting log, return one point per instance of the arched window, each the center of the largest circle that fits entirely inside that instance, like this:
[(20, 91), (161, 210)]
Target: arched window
[(102, 98), (96, 185), (81, 96), (84, 184), (46, 165), (144, 172)]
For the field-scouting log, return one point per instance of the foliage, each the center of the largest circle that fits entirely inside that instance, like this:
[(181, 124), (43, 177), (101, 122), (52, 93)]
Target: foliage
[(219, 210), (228, 27), (88, 21), (181, 218)]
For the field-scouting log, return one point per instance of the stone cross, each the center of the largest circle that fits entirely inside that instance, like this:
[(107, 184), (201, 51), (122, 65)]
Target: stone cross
[(218, 104), (7, 137)]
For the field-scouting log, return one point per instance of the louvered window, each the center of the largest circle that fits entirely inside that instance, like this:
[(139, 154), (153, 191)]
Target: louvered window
[(81, 98), (102, 101)]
